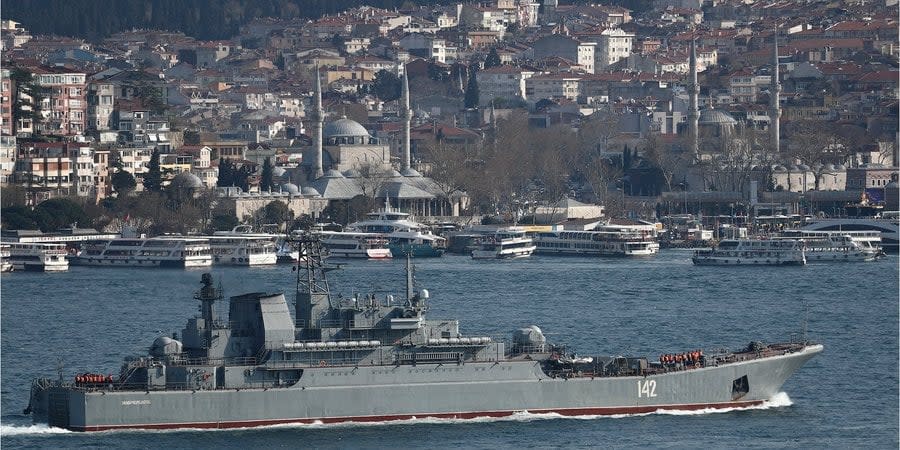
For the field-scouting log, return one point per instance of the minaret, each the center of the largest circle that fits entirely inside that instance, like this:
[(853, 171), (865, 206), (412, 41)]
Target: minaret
[(694, 110), (406, 115), (318, 117), (775, 95)]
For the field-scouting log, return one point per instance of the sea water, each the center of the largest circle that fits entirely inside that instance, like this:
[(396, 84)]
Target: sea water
[(90, 319)]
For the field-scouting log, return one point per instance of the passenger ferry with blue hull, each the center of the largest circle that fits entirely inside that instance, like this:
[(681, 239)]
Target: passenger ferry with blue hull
[(404, 236)]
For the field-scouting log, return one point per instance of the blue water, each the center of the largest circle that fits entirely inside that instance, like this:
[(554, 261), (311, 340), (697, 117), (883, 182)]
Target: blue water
[(89, 319)]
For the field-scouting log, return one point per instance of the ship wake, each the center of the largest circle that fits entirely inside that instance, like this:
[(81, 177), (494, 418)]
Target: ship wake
[(30, 430)]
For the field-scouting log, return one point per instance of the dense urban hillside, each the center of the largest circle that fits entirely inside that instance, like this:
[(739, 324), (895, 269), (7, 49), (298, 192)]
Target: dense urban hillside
[(203, 19)]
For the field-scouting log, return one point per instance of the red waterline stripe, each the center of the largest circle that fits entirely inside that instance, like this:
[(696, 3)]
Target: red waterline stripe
[(458, 415)]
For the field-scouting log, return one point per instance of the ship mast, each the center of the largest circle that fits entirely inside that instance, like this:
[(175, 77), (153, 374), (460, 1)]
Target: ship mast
[(208, 296), (313, 295)]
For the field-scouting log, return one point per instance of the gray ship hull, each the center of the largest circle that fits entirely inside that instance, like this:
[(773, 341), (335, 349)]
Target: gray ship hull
[(396, 392)]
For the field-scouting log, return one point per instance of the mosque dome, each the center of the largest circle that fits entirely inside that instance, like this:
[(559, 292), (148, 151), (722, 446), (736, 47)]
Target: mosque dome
[(278, 171), (332, 173), (310, 191), (345, 127), (188, 180), (290, 188), (710, 116), (352, 173)]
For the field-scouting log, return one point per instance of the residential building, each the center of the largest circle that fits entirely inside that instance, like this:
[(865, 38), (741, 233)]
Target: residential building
[(553, 85), (100, 105), (443, 51), (504, 81), (744, 86), (65, 107), (6, 103), (566, 47), (7, 158)]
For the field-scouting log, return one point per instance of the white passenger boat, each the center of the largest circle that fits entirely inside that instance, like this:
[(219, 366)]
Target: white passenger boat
[(404, 236), (5, 265), (243, 250), (753, 252), (505, 243), (887, 225), (38, 256), (606, 240), (348, 244), (839, 246), (162, 251)]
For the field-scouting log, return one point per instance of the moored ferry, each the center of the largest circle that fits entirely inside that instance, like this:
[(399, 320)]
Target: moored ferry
[(753, 252), (505, 243), (38, 256), (348, 244), (607, 240), (405, 237), (838, 246), (5, 265), (243, 250), (162, 251)]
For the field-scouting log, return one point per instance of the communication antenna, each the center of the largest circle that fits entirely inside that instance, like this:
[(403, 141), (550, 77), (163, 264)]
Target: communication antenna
[(805, 321)]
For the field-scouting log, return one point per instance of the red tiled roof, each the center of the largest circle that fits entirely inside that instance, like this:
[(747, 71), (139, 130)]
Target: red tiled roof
[(881, 76)]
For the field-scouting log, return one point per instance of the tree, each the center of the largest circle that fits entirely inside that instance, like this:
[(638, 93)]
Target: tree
[(387, 85), (28, 97), (493, 59), (276, 212), (56, 213), (191, 137), (372, 177), (153, 177), (448, 166), (151, 97), (665, 157), (123, 183), (472, 96), (265, 180), (223, 222), (226, 173), (814, 143), (338, 42)]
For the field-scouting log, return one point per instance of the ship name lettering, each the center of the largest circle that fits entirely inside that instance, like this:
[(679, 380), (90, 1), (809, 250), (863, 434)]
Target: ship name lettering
[(135, 402), (646, 388)]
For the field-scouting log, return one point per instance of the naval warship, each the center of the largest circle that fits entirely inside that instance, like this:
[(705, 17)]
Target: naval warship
[(378, 359)]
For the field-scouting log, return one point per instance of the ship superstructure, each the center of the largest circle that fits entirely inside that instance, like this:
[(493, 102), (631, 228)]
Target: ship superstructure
[(369, 358)]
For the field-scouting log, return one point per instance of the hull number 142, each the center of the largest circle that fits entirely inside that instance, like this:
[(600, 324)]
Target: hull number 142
[(646, 388)]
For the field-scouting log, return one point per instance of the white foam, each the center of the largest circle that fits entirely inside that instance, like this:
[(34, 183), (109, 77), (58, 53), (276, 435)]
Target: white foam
[(14, 430)]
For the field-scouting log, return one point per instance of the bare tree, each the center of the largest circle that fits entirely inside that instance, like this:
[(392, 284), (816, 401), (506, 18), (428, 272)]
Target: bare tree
[(372, 177), (600, 129), (449, 166), (669, 158), (814, 144)]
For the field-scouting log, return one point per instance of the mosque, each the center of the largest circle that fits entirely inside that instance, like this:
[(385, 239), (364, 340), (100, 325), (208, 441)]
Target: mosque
[(346, 161)]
